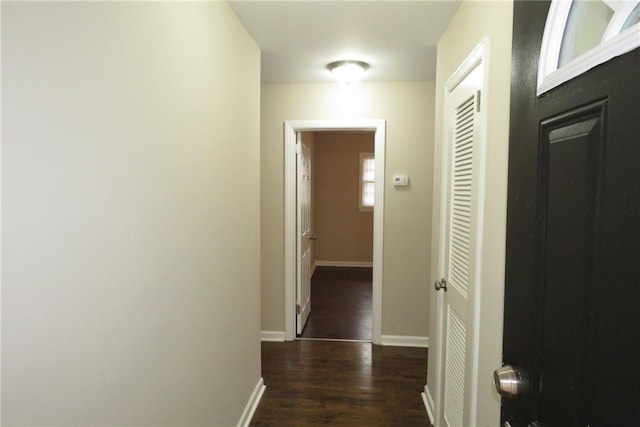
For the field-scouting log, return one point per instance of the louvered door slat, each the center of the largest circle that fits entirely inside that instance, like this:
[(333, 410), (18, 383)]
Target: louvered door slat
[(455, 366)]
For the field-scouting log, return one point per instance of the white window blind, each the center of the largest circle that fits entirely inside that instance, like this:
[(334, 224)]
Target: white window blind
[(367, 181)]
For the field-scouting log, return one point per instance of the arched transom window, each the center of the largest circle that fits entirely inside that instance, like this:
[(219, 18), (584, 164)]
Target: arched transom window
[(580, 34)]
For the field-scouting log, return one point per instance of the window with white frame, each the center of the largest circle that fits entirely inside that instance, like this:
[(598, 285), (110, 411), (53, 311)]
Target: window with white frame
[(580, 34), (367, 181)]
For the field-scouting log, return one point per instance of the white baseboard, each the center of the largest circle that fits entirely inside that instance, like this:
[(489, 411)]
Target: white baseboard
[(405, 341), (272, 336), (344, 263), (252, 404), (428, 404)]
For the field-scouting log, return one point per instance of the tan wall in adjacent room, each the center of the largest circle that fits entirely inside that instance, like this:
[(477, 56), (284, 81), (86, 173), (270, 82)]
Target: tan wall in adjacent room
[(344, 232), (130, 258)]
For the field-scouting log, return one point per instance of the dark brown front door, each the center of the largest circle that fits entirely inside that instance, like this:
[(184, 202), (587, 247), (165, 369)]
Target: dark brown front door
[(572, 298)]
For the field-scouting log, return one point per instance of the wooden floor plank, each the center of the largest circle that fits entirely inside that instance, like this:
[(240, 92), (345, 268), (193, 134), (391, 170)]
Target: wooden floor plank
[(341, 384), (341, 305)]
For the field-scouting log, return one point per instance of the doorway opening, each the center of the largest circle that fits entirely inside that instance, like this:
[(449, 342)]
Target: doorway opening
[(336, 180), (292, 238)]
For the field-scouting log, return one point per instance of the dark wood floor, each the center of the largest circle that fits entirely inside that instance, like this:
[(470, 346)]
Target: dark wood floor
[(341, 384), (340, 304)]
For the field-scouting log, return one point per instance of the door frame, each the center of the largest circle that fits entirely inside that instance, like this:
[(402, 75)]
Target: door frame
[(478, 57), (291, 127)]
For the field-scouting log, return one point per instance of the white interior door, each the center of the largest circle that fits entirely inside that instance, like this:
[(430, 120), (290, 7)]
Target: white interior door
[(461, 257), (305, 237)]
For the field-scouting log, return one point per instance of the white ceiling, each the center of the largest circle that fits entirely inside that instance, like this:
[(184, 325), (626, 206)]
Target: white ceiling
[(298, 38)]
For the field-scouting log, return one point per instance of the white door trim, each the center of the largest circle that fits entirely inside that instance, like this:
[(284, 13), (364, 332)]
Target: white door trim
[(290, 129), (479, 56)]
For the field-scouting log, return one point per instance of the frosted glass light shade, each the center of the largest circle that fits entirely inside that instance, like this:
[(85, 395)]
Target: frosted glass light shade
[(348, 71)]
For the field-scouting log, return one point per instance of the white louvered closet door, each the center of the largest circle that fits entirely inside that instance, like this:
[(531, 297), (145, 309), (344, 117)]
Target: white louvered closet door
[(460, 253)]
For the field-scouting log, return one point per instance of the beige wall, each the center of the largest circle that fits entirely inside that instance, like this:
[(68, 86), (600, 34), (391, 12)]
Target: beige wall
[(345, 233), (130, 259), (473, 21), (408, 108)]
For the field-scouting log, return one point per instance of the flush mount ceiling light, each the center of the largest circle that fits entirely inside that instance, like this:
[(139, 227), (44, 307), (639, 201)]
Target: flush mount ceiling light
[(348, 71)]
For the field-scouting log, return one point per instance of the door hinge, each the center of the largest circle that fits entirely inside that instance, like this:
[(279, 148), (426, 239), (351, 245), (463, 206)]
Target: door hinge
[(297, 308), (478, 93), (298, 148)]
